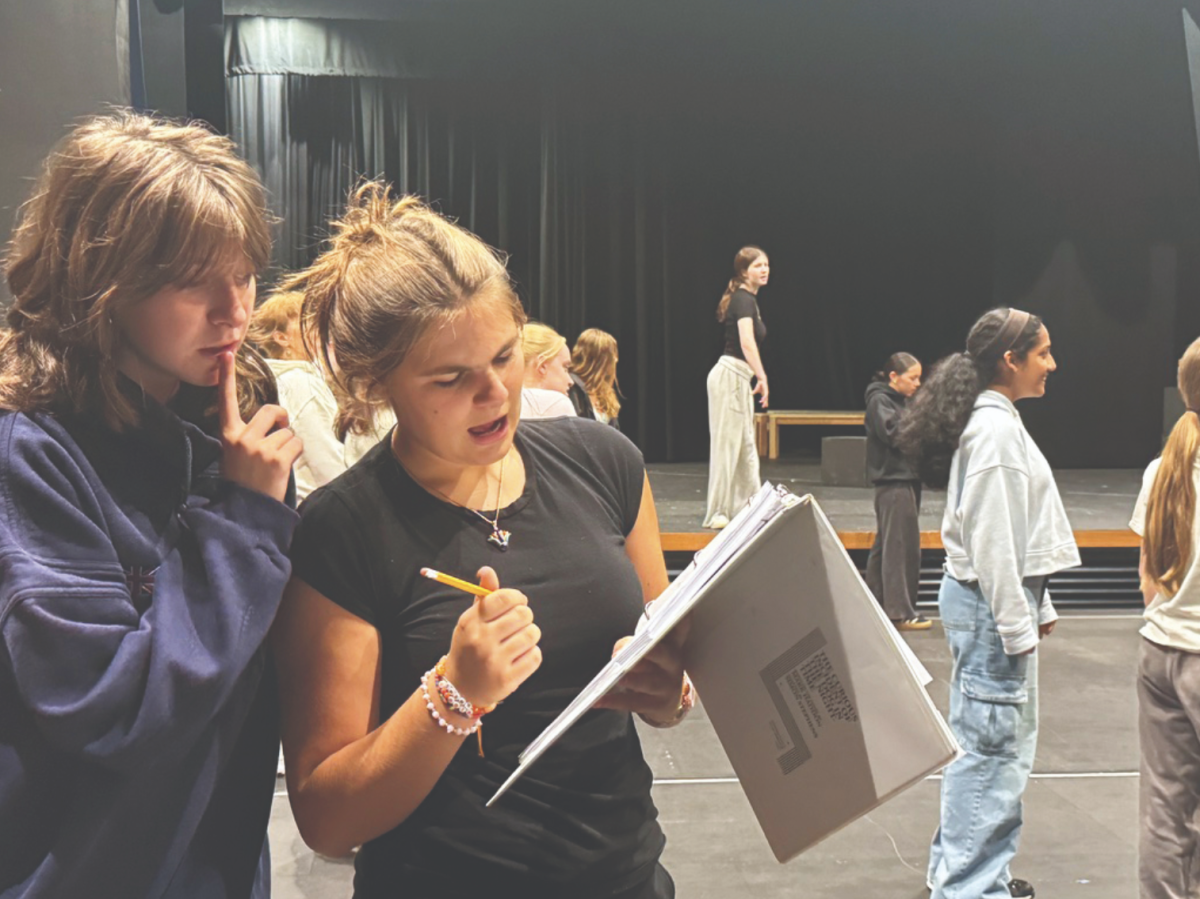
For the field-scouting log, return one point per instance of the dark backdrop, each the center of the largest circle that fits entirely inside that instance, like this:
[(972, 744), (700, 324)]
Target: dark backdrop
[(59, 60), (906, 166)]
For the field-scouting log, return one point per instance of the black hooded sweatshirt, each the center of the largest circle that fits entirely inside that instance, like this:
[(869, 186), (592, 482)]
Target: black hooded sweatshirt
[(885, 462)]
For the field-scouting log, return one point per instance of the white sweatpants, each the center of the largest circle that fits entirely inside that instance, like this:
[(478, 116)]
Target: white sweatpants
[(732, 458)]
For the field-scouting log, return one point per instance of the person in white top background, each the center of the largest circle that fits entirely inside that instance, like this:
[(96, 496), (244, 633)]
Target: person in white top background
[(330, 424), (1005, 531), (547, 373), (1169, 668), (303, 391)]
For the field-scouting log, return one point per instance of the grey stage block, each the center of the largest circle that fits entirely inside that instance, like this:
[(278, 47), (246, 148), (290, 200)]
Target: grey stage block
[(844, 461)]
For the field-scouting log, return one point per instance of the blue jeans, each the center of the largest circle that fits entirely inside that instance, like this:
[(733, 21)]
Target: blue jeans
[(993, 713)]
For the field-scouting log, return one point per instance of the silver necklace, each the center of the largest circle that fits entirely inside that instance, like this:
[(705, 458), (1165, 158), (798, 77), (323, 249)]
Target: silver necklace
[(499, 537)]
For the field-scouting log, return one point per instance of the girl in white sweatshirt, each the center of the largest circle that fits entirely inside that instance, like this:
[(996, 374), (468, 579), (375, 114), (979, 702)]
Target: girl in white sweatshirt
[(1005, 531)]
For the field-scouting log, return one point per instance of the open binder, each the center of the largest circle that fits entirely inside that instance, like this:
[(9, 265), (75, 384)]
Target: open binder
[(819, 704)]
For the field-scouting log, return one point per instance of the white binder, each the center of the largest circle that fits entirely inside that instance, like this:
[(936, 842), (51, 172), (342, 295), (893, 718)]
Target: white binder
[(818, 702)]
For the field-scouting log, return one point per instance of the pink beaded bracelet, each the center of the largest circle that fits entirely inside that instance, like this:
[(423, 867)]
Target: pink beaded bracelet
[(438, 719)]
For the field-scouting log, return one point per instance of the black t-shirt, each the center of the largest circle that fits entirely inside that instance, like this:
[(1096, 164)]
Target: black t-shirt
[(742, 305), (581, 822)]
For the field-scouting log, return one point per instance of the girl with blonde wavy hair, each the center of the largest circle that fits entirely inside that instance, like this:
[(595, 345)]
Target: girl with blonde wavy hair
[(145, 531), (1169, 667), (594, 362), (388, 675)]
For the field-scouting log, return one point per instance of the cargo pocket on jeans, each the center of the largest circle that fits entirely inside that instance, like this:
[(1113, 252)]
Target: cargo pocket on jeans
[(991, 712)]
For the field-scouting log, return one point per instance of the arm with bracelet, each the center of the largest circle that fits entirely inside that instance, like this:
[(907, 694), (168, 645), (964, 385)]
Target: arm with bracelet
[(342, 770)]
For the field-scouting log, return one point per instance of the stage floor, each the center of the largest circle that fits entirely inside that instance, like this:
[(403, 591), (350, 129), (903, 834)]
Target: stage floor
[(1096, 500), (1080, 837)]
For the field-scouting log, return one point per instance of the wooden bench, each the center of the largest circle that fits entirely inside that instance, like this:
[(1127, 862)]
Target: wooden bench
[(767, 424)]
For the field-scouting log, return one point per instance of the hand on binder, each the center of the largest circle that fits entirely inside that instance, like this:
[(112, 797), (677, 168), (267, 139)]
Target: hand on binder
[(653, 686)]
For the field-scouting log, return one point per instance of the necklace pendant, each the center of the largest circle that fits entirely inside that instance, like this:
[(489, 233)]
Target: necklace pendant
[(499, 538)]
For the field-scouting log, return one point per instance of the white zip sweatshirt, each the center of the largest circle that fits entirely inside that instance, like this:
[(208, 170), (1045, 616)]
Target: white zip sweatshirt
[(1004, 519), (311, 411)]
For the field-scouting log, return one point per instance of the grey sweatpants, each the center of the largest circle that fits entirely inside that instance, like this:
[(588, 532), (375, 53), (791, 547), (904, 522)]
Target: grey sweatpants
[(1169, 791), (894, 564), (732, 456)]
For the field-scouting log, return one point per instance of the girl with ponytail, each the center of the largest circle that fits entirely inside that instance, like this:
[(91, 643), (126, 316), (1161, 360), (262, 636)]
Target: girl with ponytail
[(733, 457), (1169, 668), (388, 675), (1005, 532), (894, 563)]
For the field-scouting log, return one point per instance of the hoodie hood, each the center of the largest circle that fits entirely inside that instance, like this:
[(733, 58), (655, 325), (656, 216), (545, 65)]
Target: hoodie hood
[(884, 408), (877, 387), (995, 400)]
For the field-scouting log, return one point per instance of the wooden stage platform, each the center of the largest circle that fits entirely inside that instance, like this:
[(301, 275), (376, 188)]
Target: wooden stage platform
[(855, 540), (1098, 503)]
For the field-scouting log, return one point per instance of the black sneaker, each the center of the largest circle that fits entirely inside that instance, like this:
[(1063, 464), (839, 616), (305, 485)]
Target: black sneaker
[(916, 623), (1017, 888)]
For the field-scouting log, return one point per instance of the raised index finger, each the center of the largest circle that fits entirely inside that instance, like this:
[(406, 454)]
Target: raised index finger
[(227, 402)]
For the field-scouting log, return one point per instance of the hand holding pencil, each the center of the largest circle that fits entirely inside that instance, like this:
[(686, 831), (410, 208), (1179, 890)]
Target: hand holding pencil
[(495, 644)]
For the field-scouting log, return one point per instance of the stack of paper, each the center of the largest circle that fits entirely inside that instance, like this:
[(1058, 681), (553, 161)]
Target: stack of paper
[(819, 704)]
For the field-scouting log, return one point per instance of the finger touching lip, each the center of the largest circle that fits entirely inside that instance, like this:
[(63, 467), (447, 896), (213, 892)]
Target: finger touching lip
[(230, 347)]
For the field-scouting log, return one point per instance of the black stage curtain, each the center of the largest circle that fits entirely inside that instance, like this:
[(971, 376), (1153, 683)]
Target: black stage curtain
[(579, 209), (905, 168)]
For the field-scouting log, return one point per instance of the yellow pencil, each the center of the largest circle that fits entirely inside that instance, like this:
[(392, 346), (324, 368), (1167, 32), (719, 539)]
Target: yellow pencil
[(454, 582)]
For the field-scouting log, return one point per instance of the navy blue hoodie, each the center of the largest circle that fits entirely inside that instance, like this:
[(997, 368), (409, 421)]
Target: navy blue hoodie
[(138, 721)]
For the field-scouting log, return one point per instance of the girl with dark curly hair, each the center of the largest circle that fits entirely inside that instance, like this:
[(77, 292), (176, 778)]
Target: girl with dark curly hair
[(1005, 531)]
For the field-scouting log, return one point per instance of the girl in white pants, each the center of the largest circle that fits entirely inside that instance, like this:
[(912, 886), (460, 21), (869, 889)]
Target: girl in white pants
[(733, 459)]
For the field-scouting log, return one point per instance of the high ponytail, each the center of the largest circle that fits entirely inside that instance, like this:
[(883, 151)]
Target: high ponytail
[(938, 414), (741, 264), (1171, 506), (391, 270)]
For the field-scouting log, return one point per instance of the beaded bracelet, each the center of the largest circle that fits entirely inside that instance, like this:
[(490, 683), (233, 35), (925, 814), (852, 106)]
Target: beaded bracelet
[(453, 698), (438, 719), (687, 699)]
